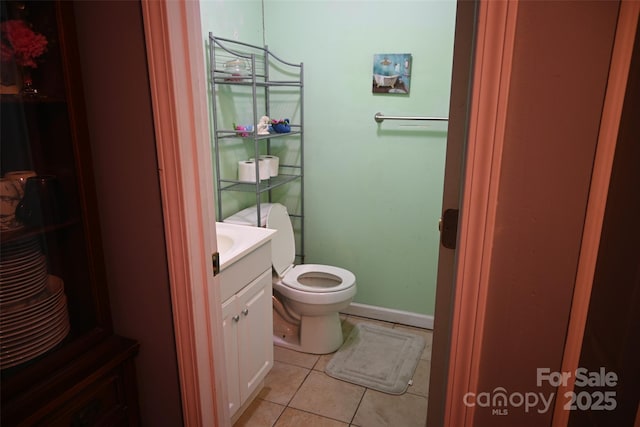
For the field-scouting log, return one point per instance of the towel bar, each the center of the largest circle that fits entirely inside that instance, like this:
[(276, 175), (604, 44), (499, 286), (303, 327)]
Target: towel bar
[(379, 118)]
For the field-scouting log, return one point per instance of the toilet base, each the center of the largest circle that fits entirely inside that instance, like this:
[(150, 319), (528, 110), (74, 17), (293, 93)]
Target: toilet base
[(315, 334)]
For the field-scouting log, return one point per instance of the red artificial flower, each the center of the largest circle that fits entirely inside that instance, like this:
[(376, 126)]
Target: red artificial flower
[(21, 44)]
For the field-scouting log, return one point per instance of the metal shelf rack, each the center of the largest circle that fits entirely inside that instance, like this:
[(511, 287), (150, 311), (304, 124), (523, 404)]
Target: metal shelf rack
[(264, 71)]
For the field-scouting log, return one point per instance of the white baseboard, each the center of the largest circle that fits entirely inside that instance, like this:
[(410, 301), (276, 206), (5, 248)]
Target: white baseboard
[(390, 315)]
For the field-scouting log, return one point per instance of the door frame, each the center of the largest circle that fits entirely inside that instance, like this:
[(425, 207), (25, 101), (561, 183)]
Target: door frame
[(628, 17), (461, 330), (175, 54), (461, 300)]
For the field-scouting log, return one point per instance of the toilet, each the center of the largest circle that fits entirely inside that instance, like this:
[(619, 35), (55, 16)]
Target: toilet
[(306, 297)]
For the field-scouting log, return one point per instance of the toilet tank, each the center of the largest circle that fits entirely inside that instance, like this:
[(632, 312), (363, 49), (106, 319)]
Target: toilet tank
[(249, 215)]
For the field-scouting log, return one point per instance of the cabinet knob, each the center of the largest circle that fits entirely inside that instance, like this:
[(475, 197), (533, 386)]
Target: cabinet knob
[(245, 311), (236, 318)]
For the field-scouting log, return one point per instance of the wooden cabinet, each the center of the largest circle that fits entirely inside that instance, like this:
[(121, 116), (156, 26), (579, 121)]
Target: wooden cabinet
[(61, 363), (96, 387)]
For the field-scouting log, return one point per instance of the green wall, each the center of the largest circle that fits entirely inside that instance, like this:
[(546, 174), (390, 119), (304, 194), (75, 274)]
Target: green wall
[(372, 191), (240, 20)]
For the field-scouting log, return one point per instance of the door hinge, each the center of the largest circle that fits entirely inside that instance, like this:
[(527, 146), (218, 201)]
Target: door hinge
[(215, 261), (448, 226)]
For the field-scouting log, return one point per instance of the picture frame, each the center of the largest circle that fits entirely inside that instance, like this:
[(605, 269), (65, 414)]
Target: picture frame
[(391, 73)]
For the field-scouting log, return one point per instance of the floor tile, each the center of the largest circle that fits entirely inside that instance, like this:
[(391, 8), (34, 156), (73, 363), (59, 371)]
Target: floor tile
[(321, 364), (316, 400), (295, 418), (381, 409), (328, 397), (282, 382), (260, 413), (292, 357), (420, 378)]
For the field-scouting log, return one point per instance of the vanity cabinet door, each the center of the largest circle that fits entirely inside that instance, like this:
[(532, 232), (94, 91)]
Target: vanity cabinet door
[(247, 324), (255, 333), (230, 319)]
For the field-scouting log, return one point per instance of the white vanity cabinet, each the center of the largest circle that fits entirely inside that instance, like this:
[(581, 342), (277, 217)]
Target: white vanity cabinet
[(247, 323)]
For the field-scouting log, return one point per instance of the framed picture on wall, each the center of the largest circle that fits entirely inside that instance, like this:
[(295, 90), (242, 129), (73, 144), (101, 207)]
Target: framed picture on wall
[(391, 73)]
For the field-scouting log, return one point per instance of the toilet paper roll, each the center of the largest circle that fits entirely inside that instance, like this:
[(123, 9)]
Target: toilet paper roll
[(247, 170), (273, 162)]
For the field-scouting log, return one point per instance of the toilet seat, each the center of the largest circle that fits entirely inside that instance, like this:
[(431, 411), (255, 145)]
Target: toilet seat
[(318, 278), (312, 278), (321, 284)]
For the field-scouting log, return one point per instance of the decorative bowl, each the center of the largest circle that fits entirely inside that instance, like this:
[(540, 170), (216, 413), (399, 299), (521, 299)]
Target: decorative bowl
[(281, 126)]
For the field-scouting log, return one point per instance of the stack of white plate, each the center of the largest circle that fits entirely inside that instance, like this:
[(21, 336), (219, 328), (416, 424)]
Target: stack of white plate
[(23, 271), (33, 308)]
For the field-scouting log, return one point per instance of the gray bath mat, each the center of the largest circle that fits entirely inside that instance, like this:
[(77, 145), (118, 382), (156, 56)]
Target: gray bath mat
[(376, 357)]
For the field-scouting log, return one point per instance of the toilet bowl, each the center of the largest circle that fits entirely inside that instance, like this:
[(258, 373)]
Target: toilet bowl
[(307, 297)]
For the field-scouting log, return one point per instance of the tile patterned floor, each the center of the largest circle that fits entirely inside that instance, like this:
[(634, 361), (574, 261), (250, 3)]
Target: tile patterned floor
[(297, 392)]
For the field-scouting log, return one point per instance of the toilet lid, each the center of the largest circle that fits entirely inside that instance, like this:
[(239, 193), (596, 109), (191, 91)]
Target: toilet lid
[(283, 245)]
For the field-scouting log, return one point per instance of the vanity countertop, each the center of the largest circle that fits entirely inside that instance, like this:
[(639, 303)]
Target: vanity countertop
[(236, 241)]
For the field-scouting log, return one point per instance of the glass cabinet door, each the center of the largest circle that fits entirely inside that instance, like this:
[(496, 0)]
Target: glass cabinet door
[(53, 298)]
